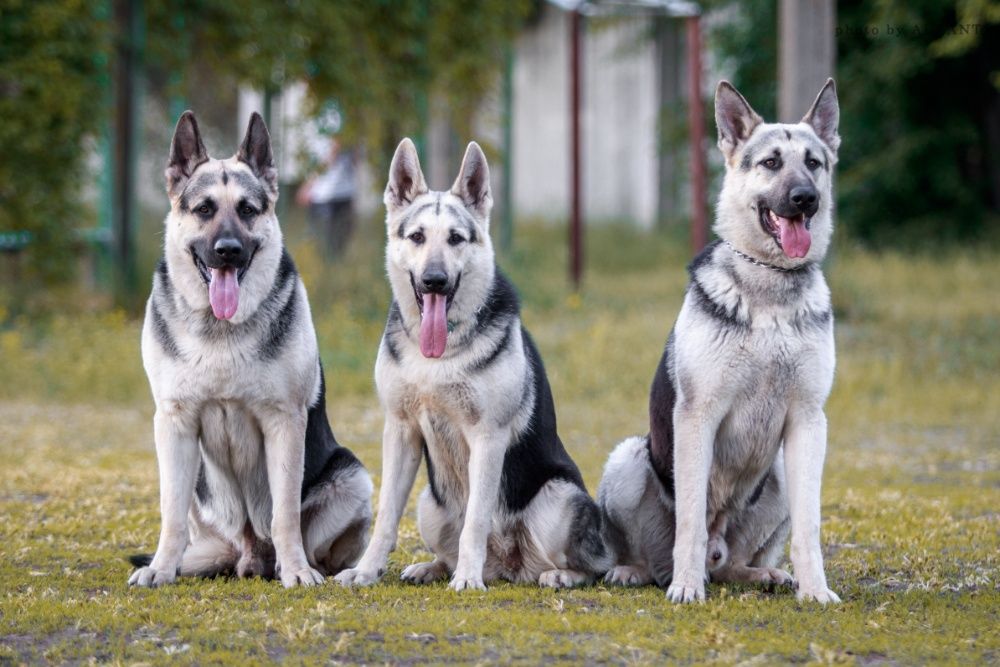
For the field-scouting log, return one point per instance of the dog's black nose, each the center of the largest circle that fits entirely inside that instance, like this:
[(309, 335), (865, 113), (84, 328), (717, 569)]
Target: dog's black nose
[(434, 280), (229, 249), (804, 198)]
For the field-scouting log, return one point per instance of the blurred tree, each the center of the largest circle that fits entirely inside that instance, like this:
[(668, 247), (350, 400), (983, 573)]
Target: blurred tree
[(919, 88), (52, 56), (376, 59)]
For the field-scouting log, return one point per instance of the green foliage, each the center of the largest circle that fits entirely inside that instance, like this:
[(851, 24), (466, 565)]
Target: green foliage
[(52, 57), (919, 89), (378, 60), (748, 47)]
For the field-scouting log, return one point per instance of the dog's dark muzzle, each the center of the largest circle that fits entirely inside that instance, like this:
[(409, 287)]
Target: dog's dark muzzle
[(802, 199), (433, 281), (225, 250)]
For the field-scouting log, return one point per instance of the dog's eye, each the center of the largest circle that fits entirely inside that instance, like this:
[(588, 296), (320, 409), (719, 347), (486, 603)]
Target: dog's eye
[(771, 163), (417, 237), (204, 209), (246, 211), (455, 239), (812, 163)]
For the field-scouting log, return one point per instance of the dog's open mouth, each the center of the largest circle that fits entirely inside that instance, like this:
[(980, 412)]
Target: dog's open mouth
[(791, 234), (223, 285), (434, 308)]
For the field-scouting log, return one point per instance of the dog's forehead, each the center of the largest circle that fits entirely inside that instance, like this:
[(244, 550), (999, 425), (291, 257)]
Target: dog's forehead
[(223, 180), (782, 138), (436, 210)]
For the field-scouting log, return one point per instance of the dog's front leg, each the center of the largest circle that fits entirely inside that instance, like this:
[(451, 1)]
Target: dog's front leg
[(400, 460), (805, 450), (694, 427), (177, 456), (486, 458), (284, 449)]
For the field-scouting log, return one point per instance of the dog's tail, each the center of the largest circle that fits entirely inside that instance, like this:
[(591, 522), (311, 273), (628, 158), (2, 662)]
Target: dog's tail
[(589, 550), (140, 560), (207, 557), (620, 492)]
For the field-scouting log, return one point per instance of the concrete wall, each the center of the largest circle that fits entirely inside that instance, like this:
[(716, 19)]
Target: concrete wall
[(620, 98), (620, 106)]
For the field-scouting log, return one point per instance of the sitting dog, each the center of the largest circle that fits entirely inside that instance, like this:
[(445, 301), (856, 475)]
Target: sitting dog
[(737, 429), (463, 386), (252, 481)]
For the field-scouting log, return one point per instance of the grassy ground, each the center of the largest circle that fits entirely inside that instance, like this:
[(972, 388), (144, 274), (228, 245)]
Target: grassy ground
[(910, 502)]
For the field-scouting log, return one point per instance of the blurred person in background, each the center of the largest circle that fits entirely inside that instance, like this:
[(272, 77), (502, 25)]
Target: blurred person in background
[(329, 194)]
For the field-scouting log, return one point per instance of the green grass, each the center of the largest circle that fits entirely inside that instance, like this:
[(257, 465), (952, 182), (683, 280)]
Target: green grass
[(911, 493)]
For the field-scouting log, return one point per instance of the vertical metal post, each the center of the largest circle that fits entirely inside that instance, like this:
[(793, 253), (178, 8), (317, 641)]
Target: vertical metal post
[(696, 127), (423, 112), (669, 60), (106, 182), (575, 221), (127, 139), (177, 102), (507, 211)]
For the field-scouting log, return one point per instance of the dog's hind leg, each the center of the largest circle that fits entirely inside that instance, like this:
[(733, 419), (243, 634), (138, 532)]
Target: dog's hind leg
[(757, 537), (588, 554), (562, 540), (762, 566), (208, 556), (440, 533), (336, 515), (256, 555), (637, 525), (717, 553)]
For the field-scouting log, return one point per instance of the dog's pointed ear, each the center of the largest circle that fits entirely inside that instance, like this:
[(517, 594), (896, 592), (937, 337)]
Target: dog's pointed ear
[(406, 181), (824, 115), (186, 152), (734, 117), (473, 183), (255, 151)]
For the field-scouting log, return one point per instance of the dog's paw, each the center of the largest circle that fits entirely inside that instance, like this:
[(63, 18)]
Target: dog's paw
[(627, 575), (357, 576), (681, 592), (822, 595), (562, 578), (716, 554), (250, 566), (300, 576), (771, 576), (425, 573), (467, 583), (147, 577)]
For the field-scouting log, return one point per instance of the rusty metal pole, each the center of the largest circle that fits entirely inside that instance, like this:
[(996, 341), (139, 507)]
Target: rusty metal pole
[(575, 221), (696, 129)]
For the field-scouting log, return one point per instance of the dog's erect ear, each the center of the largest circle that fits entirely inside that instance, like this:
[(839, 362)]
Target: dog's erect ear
[(255, 151), (473, 183), (824, 115), (406, 181), (186, 153), (734, 117)]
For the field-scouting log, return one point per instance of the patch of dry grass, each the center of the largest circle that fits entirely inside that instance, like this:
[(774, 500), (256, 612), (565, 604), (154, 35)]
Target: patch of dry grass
[(910, 502)]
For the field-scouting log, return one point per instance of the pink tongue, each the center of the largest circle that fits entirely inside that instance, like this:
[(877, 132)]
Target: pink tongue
[(795, 238), (224, 292), (434, 326)]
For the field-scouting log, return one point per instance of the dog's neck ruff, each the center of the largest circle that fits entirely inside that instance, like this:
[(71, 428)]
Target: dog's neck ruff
[(779, 269)]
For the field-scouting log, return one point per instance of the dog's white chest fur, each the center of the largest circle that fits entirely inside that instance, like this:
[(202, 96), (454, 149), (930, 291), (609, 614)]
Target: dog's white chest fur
[(775, 349)]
